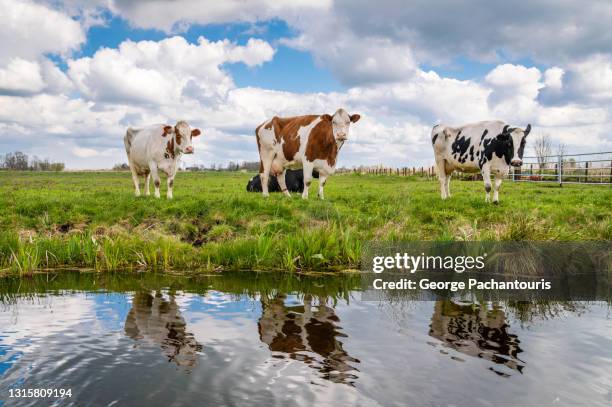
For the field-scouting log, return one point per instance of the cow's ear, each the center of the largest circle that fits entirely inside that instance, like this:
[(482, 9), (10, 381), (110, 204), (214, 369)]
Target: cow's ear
[(195, 132), (167, 130), (326, 117), (527, 130), (355, 118)]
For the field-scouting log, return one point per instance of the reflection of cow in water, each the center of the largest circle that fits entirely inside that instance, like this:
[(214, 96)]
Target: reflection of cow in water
[(158, 321), (476, 330), (305, 331)]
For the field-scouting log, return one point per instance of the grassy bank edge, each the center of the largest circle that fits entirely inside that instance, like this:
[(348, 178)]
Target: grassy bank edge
[(313, 250)]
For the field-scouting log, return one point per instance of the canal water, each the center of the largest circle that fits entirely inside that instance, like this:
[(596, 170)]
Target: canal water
[(284, 339)]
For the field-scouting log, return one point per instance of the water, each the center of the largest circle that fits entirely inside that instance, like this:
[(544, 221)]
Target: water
[(276, 339)]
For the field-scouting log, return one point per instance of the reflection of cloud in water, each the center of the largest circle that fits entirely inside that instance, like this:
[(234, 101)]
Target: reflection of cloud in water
[(477, 330), (308, 333), (156, 320)]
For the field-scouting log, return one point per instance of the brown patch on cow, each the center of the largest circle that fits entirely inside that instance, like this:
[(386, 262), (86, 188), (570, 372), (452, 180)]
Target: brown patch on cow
[(167, 130), (170, 148), (178, 137), (321, 144), (289, 133)]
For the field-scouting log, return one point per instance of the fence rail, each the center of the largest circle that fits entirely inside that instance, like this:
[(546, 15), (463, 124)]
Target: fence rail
[(561, 169), (584, 168)]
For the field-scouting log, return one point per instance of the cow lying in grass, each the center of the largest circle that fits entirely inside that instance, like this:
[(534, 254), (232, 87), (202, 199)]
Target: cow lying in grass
[(488, 147), (294, 180), (157, 148), (308, 142)]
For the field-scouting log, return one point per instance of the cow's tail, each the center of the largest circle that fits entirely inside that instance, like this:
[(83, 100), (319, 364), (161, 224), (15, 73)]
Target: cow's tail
[(259, 147), (127, 140)]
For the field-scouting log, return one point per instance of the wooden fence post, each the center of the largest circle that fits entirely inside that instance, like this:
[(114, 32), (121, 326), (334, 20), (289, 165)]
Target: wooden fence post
[(586, 172)]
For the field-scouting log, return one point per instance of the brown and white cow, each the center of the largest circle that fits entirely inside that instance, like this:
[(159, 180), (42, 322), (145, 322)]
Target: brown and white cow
[(308, 142), (157, 148)]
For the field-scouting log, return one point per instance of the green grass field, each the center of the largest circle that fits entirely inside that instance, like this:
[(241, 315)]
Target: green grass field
[(92, 220)]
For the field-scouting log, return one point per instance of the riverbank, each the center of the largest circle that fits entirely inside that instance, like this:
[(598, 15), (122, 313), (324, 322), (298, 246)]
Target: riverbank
[(92, 220)]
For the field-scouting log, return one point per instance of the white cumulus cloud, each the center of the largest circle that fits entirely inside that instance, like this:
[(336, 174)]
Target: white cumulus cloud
[(159, 72)]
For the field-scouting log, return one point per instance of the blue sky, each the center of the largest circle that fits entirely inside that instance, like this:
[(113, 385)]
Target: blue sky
[(291, 70), (91, 68)]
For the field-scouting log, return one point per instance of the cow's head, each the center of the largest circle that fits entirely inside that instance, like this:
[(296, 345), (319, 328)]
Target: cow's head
[(514, 140), (183, 135), (341, 121)]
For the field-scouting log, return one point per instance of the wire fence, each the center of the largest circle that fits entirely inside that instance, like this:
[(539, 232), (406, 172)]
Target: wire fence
[(587, 168)]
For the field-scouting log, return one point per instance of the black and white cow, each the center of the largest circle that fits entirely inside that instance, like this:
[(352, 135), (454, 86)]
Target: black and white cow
[(488, 147)]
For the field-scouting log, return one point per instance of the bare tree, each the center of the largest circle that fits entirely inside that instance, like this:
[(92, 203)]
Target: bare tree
[(561, 147), (543, 149), (16, 161), (20, 161)]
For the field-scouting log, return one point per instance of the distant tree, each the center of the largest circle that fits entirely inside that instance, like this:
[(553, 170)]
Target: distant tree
[(20, 161), (121, 167), (16, 161), (543, 149), (250, 165), (561, 147)]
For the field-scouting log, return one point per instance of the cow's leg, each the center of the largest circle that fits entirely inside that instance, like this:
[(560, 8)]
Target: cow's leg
[(147, 182), (266, 162), (322, 180), (308, 167), (496, 185), (170, 185), (155, 176), (136, 182), (282, 183), (442, 177), (486, 177), (447, 185)]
